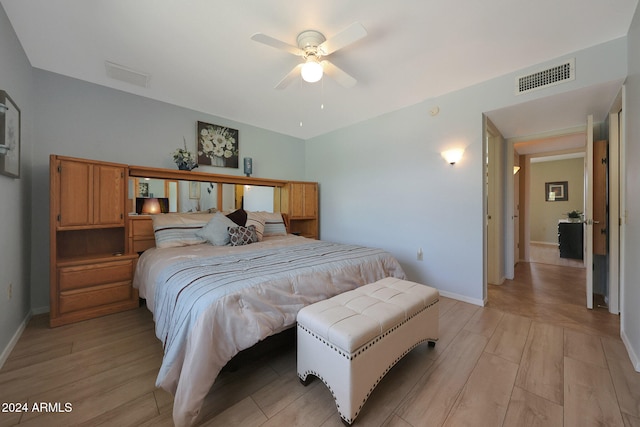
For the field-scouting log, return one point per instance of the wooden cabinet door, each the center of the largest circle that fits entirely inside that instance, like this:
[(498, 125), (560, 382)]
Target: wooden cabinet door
[(75, 193), (304, 200), (310, 200), (297, 200), (108, 188)]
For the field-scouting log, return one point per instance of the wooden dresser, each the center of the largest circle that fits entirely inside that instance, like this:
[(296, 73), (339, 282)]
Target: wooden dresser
[(141, 236), (91, 268)]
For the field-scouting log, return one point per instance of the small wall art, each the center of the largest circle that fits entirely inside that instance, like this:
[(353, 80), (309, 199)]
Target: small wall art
[(143, 189), (217, 145), (10, 136), (194, 189), (556, 191)]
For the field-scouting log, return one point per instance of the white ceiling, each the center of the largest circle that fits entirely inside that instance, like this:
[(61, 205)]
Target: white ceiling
[(200, 56)]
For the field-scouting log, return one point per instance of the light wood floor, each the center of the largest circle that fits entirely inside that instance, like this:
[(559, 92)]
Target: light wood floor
[(548, 253), (533, 357)]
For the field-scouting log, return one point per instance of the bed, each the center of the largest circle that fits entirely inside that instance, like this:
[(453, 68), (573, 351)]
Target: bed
[(211, 301)]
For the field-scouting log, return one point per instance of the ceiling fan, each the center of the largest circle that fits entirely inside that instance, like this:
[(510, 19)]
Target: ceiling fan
[(312, 46)]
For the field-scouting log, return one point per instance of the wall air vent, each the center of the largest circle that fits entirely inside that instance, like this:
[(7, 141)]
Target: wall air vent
[(550, 77), (125, 74)]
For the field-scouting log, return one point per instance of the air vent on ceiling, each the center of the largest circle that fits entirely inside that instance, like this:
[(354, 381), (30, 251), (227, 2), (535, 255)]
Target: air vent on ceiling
[(550, 77), (125, 74)]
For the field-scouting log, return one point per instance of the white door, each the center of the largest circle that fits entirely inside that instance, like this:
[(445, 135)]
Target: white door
[(516, 209), (614, 212), (588, 223)]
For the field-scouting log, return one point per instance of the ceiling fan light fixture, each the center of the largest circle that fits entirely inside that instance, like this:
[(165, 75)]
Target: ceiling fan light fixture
[(311, 70)]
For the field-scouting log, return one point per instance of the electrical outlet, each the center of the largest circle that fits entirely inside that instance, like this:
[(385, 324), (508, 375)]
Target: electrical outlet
[(420, 253), (10, 290)]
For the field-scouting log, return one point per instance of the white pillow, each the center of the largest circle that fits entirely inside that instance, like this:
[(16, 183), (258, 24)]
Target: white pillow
[(174, 229), (273, 224), (217, 230), (257, 220)]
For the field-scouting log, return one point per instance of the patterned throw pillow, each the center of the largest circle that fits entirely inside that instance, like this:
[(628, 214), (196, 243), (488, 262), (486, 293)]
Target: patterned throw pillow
[(239, 236)]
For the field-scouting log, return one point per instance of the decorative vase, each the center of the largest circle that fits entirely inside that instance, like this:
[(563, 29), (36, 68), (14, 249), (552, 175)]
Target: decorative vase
[(185, 166), (218, 161)]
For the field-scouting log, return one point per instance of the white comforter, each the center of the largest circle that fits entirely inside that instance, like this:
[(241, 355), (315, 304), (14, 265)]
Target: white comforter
[(210, 302)]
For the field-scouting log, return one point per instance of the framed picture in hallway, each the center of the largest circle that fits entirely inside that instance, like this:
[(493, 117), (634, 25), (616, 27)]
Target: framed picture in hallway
[(9, 136), (556, 191)]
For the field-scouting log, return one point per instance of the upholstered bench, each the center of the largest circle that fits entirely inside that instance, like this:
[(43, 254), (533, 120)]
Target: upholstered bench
[(352, 340)]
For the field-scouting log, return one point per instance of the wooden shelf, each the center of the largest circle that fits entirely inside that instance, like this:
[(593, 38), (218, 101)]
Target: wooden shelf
[(161, 173)]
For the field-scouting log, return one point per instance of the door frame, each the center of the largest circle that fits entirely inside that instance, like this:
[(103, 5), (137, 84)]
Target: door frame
[(494, 205), (616, 203), (588, 213)]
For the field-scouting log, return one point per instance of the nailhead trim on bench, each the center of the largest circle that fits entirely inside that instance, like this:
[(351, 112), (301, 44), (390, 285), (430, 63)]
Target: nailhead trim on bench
[(373, 386), (370, 344), (314, 373)]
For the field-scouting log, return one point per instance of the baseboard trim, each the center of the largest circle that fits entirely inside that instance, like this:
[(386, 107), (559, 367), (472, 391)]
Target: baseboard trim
[(39, 310), (463, 298), (14, 340), (539, 243), (635, 361)]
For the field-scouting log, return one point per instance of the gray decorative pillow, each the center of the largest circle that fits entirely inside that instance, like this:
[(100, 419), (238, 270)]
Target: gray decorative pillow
[(239, 236), (216, 230)]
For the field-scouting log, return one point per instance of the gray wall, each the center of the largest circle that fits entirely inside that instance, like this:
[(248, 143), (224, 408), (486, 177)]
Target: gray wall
[(80, 119), (630, 313), (15, 194), (385, 184), (544, 216)]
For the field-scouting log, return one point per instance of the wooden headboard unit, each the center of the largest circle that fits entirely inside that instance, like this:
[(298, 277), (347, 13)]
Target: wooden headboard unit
[(141, 236)]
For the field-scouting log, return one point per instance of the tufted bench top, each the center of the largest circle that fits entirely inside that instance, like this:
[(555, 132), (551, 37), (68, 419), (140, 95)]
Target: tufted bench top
[(351, 320)]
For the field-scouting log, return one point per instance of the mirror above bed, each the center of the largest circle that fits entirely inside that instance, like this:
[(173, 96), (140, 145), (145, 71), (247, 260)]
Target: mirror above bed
[(189, 191), (196, 191)]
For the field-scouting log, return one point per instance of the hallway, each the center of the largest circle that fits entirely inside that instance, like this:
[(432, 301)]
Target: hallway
[(552, 294)]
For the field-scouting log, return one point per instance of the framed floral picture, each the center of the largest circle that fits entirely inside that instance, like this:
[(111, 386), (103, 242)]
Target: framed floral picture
[(217, 145), (9, 136)]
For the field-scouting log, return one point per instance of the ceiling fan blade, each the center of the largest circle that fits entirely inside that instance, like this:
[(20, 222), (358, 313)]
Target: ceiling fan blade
[(290, 77), (278, 44), (351, 34), (338, 74)]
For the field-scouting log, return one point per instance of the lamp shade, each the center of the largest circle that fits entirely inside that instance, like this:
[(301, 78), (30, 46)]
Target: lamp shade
[(311, 70), (151, 205)]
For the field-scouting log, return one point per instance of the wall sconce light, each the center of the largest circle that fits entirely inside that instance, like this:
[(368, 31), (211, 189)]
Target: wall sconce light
[(151, 205), (516, 169), (3, 108), (452, 156), (248, 166)]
